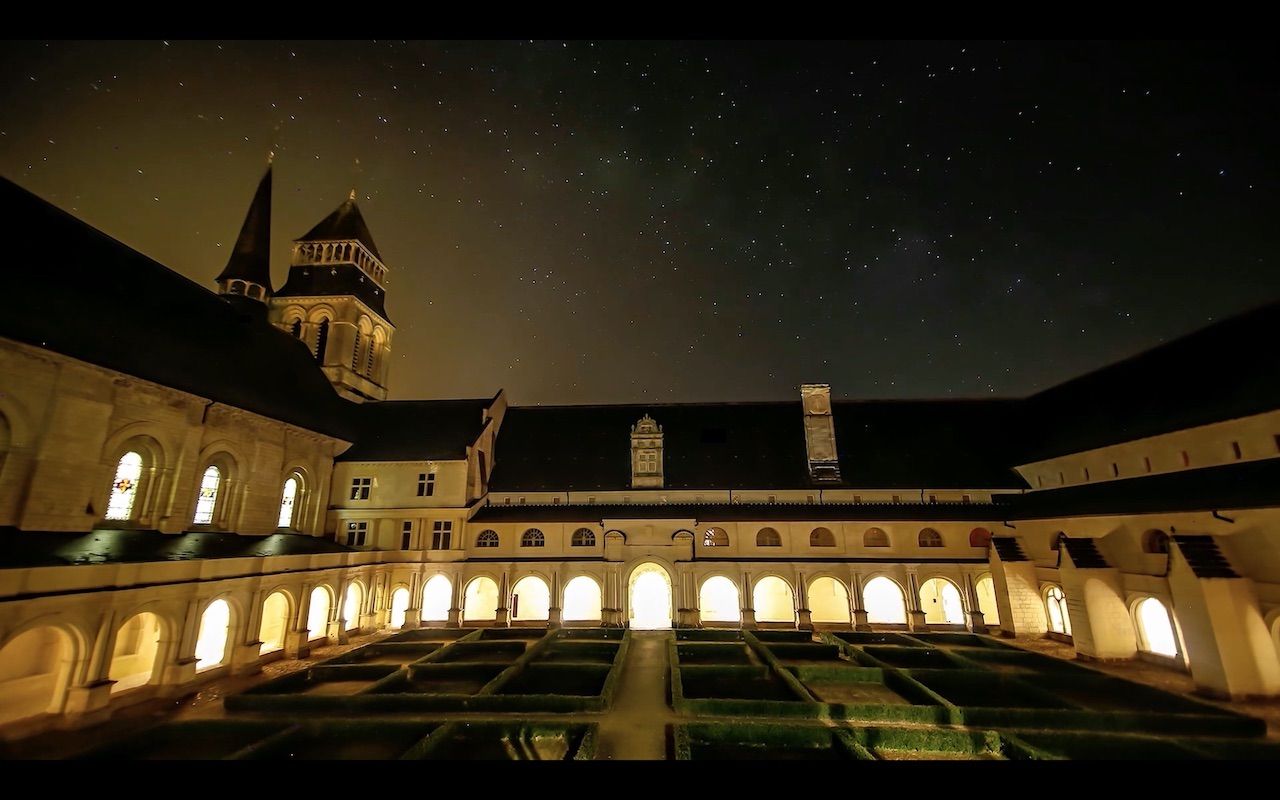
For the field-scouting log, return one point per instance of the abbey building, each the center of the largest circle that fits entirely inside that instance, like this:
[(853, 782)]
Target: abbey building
[(196, 482)]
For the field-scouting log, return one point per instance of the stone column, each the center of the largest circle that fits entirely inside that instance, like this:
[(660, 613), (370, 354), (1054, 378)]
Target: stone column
[(977, 622), (336, 629), (687, 613), (180, 669), (248, 650), (804, 617), (612, 616), (915, 616), (748, 603), (87, 701), (555, 611), (857, 614), (455, 606), (369, 608), (413, 614), (297, 639), (503, 618)]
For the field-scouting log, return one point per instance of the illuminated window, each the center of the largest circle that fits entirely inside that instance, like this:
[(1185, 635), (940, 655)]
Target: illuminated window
[(715, 537), (768, 537), (351, 608), (208, 497), (1056, 604), (532, 538), (426, 484), (487, 539), (399, 605), (211, 642), (875, 537), (1155, 630), (930, 538), (441, 534), (583, 537), (286, 503), (318, 614), (356, 533), (124, 489), (822, 537), (360, 488)]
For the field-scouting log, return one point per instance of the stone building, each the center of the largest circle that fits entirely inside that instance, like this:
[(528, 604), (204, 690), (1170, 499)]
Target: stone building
[(194, 483)]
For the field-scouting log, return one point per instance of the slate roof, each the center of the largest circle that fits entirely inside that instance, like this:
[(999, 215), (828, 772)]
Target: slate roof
[(881, 444), (734, 512), (345, 222), (251, 257), (416, 430), (91, 297)]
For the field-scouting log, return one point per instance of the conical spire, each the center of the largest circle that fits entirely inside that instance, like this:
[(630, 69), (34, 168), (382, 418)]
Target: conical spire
[(346, 223), (250, 261)]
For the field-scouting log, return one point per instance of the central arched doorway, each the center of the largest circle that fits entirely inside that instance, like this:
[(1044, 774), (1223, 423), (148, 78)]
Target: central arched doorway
[(649, 597)]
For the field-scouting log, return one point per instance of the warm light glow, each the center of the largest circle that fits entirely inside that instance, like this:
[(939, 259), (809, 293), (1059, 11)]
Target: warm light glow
[(582, 599), (275, 621), (211, 644), (986, 590), (318, 614), (884, 602), (481, 601), (649, 598), (399, 605), (134, 655), (828, 600), (124, 489), (33, 670), (774, 601), (286, 503), (1056, 603), (1155, 628), (351, 608), (718, 600), (940, 602), (531, 599), (437, 597), (208, 497)]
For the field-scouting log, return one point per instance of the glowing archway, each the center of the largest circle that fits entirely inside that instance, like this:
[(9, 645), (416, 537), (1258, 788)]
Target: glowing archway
[(211, 644), (884, 602), (1155, 628), (582, 599), (649, 597), (437, 597), (985, 588), (774, 601), (399, 605), (34, 670), (718, 600), (275, 621), (318, 614), (480, 601), (940, 601), (530, 599), (134, 656), (828, 601), (351, 608)]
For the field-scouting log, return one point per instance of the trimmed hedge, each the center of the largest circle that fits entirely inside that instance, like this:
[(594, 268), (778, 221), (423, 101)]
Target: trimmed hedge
[(506, 740)]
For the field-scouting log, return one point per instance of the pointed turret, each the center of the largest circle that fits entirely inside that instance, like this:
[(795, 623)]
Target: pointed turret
[(344, 224), (248, 270)]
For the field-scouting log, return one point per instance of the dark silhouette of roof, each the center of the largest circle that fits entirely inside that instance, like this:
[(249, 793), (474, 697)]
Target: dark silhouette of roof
[(416, 430), (251, 257), (1084, 553), (92, 298), (881, 444), (346, 222), (735, 512)]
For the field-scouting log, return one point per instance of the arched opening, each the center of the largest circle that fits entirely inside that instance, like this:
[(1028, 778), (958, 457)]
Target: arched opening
[(582, 599), (773, 600), (275, 622), (1155, 628), (583, 537), (875, 537), (940, 602), (351, 607), (134, 656), (884, 601), (828, 601), (649, 597), (533, 538), (718, 600), (530, 599), (207, 499), (399, 605), (215, 630), (481, 600), (124, 488), (985, 588), (34, 668), (822, 537), (287, 498), (487, 539), (437, 597), (768, 537), (715, 537), (979, 537), (1155, 542), (930, 538), (1056, 606), (318, 614)]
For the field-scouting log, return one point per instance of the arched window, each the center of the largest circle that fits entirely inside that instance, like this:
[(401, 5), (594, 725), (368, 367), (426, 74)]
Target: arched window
[(296, 329), (322, 340), (211, 643), (1155, 541), (532, 538), (768, 537), (930, 538), (124, 489), (583, 537), (207, 500), (822, 537), (351, 607), (715, 537), (875, 537), (237, 287), (286, 503), (979, 537), (487, 539), (1155, 628), (255, 291), (1056, 604), (985, 588)]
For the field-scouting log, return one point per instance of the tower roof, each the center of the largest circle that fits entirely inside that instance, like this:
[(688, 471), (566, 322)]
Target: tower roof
[(345, 222), (251, 258)]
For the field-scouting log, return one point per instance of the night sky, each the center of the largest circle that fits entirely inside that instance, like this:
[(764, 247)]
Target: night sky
[(583, 222)]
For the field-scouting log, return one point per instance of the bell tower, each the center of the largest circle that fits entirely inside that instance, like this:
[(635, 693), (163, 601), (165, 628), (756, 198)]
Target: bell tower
[(334, 300), (646, 454)]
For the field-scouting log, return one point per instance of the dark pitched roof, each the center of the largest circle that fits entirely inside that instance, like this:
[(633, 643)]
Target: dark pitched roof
[(882, 444), (1236, 374), (1084, 553), (734, 512), (19, 549), (1248, 484), (415, 430), (346, 222), (1008, 548), (317, 280), (1204, 557), (92, 298), (251, 257)]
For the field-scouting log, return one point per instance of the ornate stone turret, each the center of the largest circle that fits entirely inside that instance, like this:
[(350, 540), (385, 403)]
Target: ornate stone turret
[(248, 270), (820, 432), (646, 454)]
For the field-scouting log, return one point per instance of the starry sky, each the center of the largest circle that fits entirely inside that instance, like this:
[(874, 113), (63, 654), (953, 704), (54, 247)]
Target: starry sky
[(612, 221)]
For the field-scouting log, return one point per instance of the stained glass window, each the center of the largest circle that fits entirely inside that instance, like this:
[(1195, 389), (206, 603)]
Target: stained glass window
[(286, 502), (124, 489), (208, 497)]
